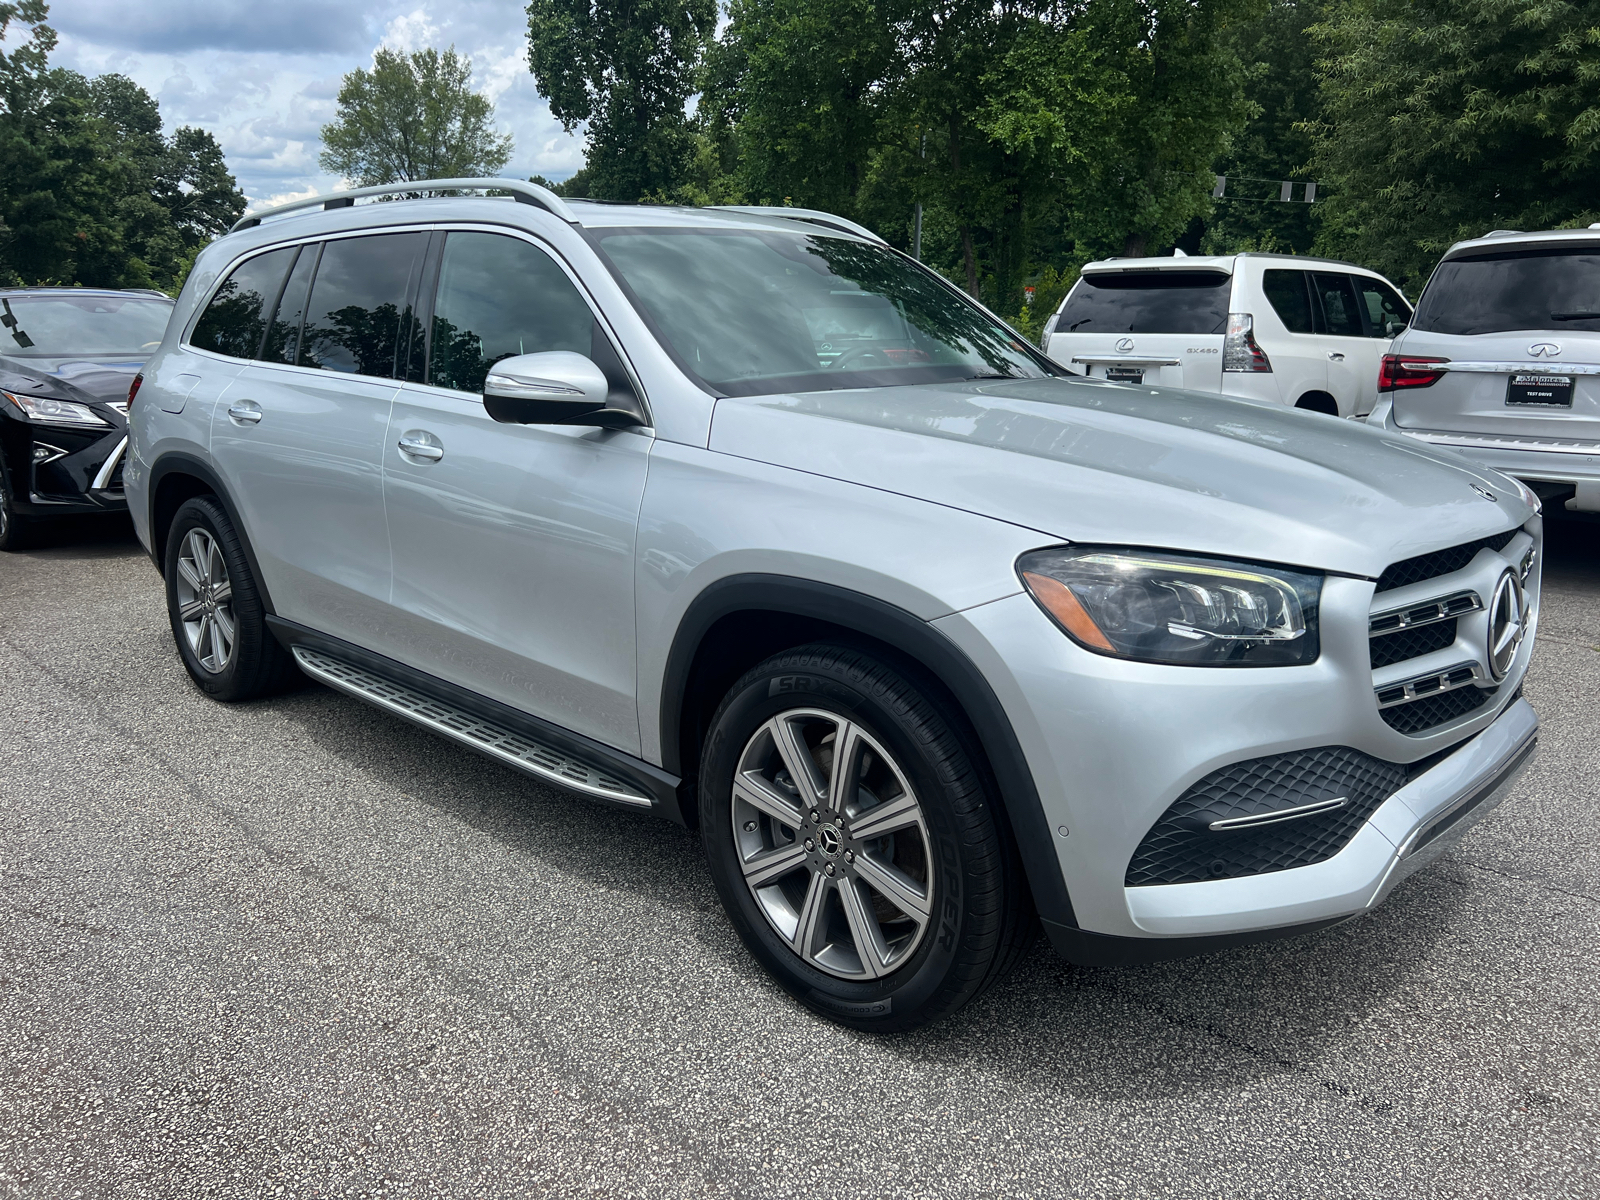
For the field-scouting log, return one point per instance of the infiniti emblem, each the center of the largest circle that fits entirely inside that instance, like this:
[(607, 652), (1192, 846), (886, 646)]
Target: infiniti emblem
[(1124, 345), (1507, 623), (1544, 349)]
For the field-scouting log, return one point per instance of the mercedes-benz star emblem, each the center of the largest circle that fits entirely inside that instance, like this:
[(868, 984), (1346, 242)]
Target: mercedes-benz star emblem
[(1124, 345), (830, 841), (1544, 349), (1483, 491), (1507, 623)]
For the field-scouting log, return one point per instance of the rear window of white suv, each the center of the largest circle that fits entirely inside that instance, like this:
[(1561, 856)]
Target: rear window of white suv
[(1153, 301), (1546, 288)]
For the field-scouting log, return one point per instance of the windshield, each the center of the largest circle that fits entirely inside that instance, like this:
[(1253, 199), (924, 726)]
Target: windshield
[(1547, 289), (100, 326), (1147, 301), (754, 313)]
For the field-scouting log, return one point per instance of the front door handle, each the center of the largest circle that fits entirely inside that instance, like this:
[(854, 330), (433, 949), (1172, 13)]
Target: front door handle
[(418, 443), (1335, 356), (245, 412)]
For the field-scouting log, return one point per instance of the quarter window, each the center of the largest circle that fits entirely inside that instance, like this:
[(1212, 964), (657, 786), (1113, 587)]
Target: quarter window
[(499, 296), (1286, 292), (358, 303), (233, 322)]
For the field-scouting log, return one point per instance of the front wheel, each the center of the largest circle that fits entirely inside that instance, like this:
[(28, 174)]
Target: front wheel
[(851, 837), (16, 531)]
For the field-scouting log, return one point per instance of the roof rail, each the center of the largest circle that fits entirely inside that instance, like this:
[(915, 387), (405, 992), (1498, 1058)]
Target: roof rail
[(521, 191), (815, 216)]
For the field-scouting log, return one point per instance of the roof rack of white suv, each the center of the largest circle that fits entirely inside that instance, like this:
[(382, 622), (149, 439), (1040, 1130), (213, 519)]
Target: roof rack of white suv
[(520, 191), (814, 216)]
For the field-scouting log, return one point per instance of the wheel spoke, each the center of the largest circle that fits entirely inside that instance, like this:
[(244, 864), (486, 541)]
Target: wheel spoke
[(191, 611), (864, 929), (773, 865), (216, 569), (759, 794), (223, 593), (805, 933), (797, 759), (191, 576), (846, 772), (897, 887), (222, 635), (900, 813), (202, 640), (200, 554)]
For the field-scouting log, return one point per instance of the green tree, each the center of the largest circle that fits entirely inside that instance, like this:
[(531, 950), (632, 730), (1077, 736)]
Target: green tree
[(412, 117), (1443, 119), (625, 70)]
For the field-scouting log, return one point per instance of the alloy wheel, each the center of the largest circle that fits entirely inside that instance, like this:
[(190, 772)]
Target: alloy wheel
[(833, 844), (205, 601)]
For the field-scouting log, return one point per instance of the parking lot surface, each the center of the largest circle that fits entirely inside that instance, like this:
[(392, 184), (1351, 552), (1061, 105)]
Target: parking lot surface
[(300, 947)]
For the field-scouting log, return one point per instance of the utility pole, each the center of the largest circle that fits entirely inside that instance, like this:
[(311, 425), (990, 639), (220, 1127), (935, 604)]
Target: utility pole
[(916, 216)]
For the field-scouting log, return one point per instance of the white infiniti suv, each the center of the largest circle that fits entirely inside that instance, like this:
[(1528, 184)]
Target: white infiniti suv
[(1306, 332)]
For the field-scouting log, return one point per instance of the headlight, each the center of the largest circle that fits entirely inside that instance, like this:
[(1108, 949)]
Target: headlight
[(55, 412), (1172, 608)]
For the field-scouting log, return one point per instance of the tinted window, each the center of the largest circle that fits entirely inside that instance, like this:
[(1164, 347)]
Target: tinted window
[(358, 303), (235, 319), (1148, 302), (283, 332), (758, 312), (1286, 292), (499, 296), (1337, 295), (1552, 289), (1387, 313)]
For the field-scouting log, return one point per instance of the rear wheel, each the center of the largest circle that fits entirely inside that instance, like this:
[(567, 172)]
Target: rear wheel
[(218, 619), (853, 843)]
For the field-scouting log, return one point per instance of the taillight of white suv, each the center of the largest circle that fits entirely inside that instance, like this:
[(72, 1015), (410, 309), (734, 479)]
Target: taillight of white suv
[(1399, 371), (1239, 350)]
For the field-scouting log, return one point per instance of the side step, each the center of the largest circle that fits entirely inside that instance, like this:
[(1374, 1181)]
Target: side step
[(518, 750)]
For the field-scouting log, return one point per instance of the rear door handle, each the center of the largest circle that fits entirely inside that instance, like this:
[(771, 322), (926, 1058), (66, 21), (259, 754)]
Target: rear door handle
[(1335, 356), (245, 412), (418, 443)]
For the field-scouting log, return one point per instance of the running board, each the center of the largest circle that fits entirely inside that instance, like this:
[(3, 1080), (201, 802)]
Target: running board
[(515, 749)]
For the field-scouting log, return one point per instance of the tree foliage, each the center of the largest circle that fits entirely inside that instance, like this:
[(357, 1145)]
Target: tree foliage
[(1443, 119), (91, 190), (625, 69), (413, 116)]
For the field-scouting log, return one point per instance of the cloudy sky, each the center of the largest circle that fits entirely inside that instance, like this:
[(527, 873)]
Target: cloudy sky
[(262, 75)]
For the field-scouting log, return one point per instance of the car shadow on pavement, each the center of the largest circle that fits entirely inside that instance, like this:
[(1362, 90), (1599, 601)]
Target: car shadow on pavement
[(74, 538), (1099, 1033)]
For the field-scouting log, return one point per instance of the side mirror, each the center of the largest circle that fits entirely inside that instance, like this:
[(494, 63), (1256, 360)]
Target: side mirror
[(556, 387)]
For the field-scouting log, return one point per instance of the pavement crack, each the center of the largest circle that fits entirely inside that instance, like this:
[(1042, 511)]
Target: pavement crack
[(1538, 883)]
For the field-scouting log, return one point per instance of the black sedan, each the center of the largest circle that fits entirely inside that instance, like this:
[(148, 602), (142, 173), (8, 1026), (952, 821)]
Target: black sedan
[(67, 359)]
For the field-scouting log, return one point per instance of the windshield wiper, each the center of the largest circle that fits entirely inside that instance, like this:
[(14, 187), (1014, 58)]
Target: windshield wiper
[(11, 323), (996, 375), (1577, 316)]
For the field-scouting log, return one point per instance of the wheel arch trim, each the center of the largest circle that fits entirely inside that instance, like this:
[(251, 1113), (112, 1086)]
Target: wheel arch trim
[(916, 639), (177, 462)]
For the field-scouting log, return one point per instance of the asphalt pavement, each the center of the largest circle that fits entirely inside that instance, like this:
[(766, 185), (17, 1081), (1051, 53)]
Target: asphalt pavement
[(302, 948)]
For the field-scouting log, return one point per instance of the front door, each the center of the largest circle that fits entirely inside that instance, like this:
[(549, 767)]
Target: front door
[(300, 433), (1353, 357), (514, 544)]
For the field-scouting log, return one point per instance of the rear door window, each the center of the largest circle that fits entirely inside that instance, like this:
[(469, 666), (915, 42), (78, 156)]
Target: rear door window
[(1148, 302), (499, 296), (1336, 295), (235, 320), (1386, 311), (1286, 292), (1542, 289), (283, 331), (360, 302)]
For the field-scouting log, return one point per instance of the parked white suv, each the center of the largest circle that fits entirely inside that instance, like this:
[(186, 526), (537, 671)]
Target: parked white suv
[(1306, 332), (745, 519)]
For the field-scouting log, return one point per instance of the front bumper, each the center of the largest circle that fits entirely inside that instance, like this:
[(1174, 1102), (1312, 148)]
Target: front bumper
[(80, 472)]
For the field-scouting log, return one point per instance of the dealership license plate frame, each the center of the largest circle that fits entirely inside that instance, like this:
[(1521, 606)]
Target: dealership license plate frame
[(1125, 374), (1526, 389)]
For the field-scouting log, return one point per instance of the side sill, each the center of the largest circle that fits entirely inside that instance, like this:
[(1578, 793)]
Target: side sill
[(1086, 949), (496, 730)]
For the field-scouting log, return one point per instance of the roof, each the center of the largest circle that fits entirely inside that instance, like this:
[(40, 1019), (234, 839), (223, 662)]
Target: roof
[(1501, 239), (147, 293), (1212, 262)]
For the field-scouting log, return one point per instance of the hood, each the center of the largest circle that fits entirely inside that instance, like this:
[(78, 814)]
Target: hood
[(88, 381), (1086, 461)]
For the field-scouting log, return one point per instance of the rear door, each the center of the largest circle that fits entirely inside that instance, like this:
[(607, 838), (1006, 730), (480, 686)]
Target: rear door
[(1521, 328), (1352, 356), (1298, 353), (1160, 325)]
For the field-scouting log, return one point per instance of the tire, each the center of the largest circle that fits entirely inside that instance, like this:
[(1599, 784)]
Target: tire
[(915, 868), (210, 592), (16, 531)]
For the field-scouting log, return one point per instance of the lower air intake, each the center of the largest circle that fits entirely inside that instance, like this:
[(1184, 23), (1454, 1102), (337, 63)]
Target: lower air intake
[(1432, 711), (1183, 848)]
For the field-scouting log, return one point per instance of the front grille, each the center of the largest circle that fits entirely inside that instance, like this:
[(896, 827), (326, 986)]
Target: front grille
[(1412, 643), (1432, 711), (1439, 562), (1182, 848)]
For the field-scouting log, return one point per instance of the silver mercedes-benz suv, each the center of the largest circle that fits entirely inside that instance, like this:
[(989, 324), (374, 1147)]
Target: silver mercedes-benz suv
[(743, 518)]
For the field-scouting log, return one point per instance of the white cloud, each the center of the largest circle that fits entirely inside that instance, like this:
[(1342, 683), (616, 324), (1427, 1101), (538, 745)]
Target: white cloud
[(410, 32)]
